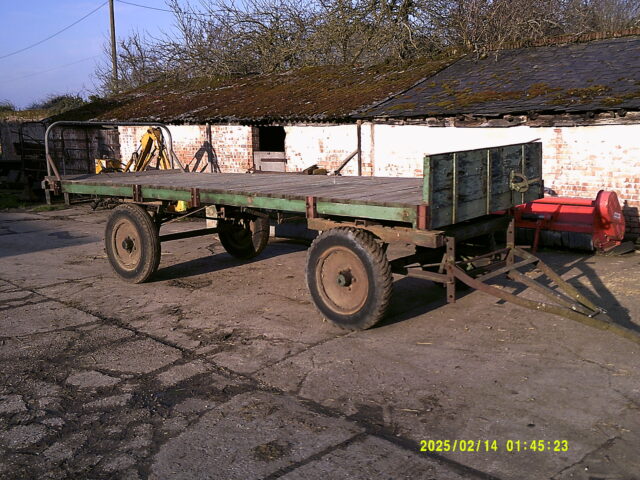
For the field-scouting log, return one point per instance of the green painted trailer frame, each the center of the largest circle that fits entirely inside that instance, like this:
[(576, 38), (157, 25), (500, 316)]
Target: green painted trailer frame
[(402, 214), (356, 217)]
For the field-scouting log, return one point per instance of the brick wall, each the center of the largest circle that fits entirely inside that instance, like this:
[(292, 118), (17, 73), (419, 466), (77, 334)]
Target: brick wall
[(230, 148), (580, 161)]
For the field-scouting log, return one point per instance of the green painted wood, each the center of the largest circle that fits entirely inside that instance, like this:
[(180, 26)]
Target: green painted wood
[(164, 194), (352, 210), (268, 203), (427, 186), (374, 212), (102, 190)]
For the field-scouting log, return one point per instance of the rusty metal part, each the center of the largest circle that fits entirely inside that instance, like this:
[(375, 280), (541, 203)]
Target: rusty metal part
[(343, 280), (311, 209), (137, 193), (126, 245), (195, 197), (450, 268), (422, 217), (518, 182), (423, 238)]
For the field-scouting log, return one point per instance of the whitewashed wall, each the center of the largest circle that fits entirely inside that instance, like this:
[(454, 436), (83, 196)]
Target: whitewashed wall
[(326, 146), (399, 150)]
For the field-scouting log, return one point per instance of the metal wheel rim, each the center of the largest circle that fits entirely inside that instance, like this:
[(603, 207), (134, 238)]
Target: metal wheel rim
[(125, 236), (342, 280)]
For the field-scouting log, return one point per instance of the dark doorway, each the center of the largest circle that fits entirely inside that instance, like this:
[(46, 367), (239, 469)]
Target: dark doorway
[(268, 155), (271, 139)]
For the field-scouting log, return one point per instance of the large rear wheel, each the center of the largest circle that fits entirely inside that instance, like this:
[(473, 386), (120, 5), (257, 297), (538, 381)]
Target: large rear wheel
[(349, 277), (132, 243)]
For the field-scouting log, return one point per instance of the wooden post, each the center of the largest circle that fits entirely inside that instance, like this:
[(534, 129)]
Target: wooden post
[(449, 266), (114, 57), (359, 133)]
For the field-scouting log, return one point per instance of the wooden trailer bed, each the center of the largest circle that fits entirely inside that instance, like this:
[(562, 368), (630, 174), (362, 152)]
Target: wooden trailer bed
[(379, 198)]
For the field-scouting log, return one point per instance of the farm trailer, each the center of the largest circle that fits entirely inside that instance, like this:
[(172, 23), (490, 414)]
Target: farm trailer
[(447, 216)]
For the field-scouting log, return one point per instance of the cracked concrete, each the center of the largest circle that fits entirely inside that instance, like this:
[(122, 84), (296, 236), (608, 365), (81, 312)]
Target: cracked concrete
[(222, 369)]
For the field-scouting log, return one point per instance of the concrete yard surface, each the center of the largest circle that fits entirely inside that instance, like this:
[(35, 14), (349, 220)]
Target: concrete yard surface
[(222, 369)]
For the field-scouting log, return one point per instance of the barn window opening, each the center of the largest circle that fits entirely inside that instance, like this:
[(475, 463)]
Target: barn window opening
[(271, 139), (268, 154)]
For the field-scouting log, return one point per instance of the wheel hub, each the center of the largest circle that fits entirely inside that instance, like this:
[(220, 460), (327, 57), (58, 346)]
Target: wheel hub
[(344, 278), (128, 244)]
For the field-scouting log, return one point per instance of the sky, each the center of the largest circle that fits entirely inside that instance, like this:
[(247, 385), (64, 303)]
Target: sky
[(64, 64)]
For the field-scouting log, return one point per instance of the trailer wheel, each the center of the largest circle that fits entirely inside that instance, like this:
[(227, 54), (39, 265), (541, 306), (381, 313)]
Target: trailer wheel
[(132, 243), (349, 278), (244, 239)]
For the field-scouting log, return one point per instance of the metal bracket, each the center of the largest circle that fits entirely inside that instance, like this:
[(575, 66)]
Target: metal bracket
[(518, 182), (137, 193), (311, 209), (195, 197)]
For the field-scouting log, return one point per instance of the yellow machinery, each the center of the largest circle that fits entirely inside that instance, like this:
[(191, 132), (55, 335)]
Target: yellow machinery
[(107, 165), (151, 146)]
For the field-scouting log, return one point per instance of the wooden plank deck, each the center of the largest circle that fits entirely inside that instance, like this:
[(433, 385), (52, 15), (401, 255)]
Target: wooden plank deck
[(382, 191)]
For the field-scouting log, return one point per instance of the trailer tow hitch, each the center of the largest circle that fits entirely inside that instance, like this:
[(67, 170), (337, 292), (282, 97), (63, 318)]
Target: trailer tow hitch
[(564, 300)]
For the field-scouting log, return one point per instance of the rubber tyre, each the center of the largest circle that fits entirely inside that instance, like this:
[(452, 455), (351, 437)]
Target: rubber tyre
[(136, 261), (359, 257), (245, 239)]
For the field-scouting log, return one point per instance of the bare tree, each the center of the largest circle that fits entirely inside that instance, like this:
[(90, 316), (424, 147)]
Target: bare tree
[(139, 62), (482, 25), (601, 15), (230, 38)]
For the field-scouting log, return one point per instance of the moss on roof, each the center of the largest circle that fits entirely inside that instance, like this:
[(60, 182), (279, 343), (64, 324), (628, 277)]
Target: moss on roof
[(598, 75), (23, 115), (325, 93)]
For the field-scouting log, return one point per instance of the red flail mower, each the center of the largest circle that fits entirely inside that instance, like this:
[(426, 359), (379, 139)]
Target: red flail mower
[(576, 223)]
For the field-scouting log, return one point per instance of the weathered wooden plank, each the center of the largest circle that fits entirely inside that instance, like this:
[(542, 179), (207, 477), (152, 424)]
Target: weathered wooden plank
[(468, 184)]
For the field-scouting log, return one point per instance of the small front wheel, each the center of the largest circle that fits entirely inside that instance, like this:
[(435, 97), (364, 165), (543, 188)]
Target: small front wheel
[(132, 243), (349, 277)]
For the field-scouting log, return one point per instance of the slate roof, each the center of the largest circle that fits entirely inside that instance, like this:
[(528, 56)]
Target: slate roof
[(327, 93), (601, 75)]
